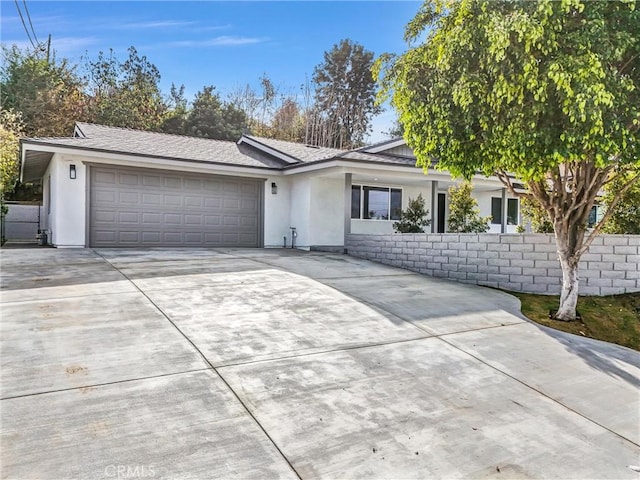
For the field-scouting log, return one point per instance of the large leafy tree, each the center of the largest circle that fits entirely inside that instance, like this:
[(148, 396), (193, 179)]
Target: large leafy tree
[(344, 95), (125, 94), (546, 90), (47, 93), (210, 117)]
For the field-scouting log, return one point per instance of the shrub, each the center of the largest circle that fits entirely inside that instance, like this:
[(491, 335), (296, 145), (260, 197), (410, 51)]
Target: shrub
[(413, 219), (464, 214)]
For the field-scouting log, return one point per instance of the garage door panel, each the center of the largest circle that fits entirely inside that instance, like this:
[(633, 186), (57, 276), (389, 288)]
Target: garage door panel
[(102, 216), (212, 220), (249, 188), (172, 200), (172, 182), (151, 199), (105, 197), (105, 178), (230, 187), (249, 222), (212, 202), (231, 203), (151, 218), (129, 236), (151, 180), (128, 217), (129, 197), (141, 207), (193, 184), (172, 219), (193, 201), (105, 236), (128, 179), (193, 220), (151, 238), (231, 221), (249, 204), (193, 238), (172, 238)]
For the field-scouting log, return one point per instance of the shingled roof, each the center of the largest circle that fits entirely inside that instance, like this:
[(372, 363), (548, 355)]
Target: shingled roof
[(299, 151), (250, 151)]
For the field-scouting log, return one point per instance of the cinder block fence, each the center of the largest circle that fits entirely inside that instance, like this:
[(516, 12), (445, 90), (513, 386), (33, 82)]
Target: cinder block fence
[(517, 262)]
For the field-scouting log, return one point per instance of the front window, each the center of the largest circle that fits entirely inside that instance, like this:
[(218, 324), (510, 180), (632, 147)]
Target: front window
[(376, 203), (512, 211)]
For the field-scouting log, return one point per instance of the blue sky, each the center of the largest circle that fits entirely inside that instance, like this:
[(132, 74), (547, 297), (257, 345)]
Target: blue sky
[(226, 44)]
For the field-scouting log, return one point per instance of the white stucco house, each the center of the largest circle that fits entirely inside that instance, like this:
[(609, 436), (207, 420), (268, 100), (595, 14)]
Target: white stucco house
[(116, 187)]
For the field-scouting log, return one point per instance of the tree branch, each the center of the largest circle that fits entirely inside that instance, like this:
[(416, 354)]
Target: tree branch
[(596, 230)]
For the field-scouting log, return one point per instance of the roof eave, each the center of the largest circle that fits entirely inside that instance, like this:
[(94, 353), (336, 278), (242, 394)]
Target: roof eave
[(52, 148), (386, 145), (33, 163), (268, 150)]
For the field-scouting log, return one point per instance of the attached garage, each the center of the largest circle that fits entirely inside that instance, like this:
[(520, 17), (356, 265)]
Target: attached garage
[(134, 207)]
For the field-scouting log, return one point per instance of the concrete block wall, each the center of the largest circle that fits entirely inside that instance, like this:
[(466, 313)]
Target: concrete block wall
[(517, 262)]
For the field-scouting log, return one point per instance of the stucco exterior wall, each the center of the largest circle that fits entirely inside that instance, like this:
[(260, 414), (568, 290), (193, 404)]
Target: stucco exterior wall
[(326, 215), (300, 206), (517, 262), (277, 212), (66, 218)]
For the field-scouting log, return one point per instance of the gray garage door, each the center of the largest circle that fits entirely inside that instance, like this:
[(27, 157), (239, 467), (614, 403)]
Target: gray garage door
[(140, 207)]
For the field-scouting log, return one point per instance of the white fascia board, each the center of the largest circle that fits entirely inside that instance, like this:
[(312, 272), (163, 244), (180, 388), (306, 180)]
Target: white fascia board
[(23, 152), (410, 171), (349, 164), (385, 146), (158, 163), (77, 132), (271, 151)]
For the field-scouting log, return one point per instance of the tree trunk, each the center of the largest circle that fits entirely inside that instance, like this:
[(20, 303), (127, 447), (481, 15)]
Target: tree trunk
[(569, 294)]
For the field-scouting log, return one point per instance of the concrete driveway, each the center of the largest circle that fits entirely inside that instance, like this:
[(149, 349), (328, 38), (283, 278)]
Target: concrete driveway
[(272, 363)]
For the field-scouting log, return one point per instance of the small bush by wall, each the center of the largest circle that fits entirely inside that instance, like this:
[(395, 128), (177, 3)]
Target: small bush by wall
[(518, 262)]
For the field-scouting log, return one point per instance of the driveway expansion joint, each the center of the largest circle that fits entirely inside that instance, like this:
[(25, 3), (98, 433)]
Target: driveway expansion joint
[(540, 392), (104, 384), (212, 368)]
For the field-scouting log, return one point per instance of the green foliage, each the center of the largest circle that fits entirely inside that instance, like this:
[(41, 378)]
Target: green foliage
[(210, 117), (519, 86), (176, 114), (533, 211), (48, 94), (413, 219), (288, 122), (464, 214), (546, 90), (345, 94), (625, 214), (125, 94), (11, 129)]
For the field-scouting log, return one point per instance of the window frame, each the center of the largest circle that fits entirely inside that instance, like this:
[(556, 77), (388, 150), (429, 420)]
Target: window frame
[(362, 189), (510, 200)]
